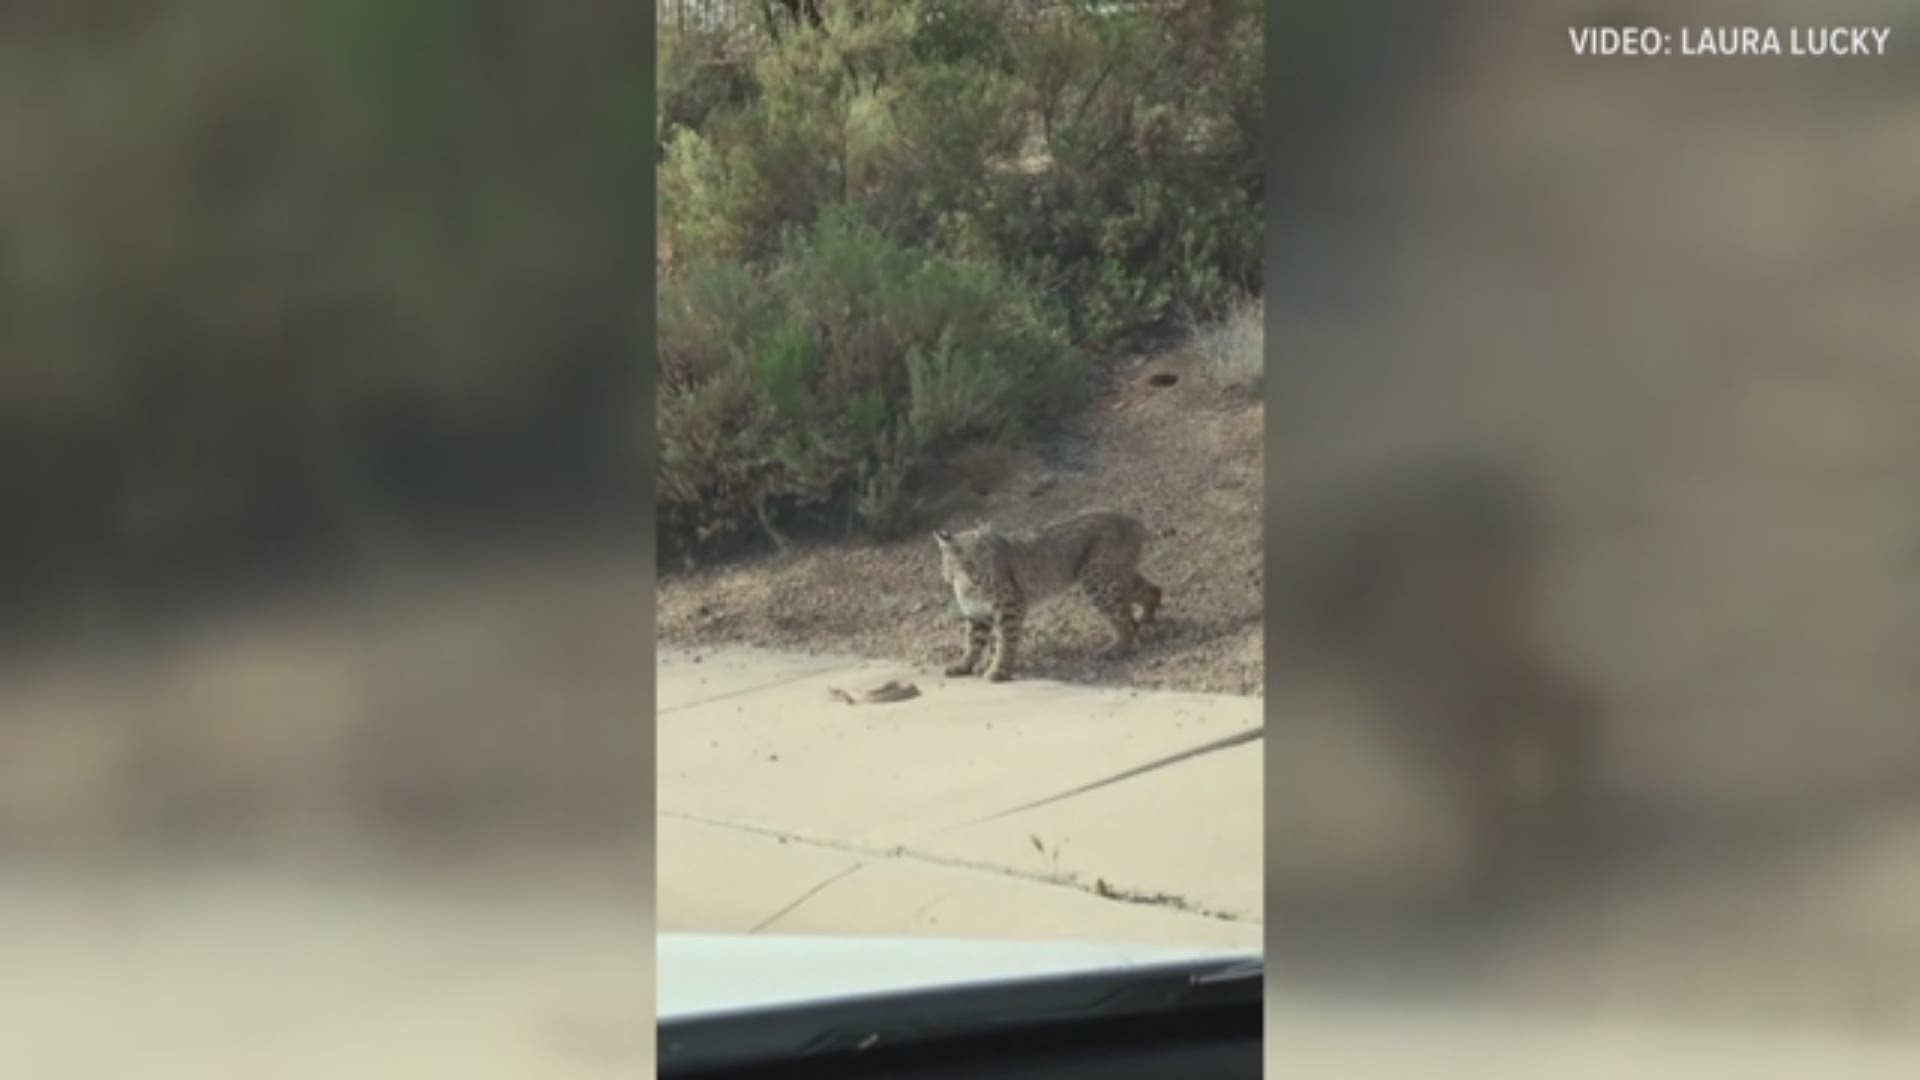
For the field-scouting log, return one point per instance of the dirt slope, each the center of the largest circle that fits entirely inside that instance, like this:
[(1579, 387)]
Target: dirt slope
[(1184, 457)]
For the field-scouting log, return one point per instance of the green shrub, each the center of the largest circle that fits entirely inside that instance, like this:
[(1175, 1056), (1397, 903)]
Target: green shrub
[(899, 236), (850, 359), (1112, 157), (707, 316)]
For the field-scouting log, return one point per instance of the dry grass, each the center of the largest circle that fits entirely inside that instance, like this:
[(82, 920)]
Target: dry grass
[(1233, 351)]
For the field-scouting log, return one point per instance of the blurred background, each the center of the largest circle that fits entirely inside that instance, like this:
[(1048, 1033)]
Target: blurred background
[(1673, 297), (324, 666)]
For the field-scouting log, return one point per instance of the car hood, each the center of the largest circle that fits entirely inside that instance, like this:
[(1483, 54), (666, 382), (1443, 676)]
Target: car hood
[(705, 974)]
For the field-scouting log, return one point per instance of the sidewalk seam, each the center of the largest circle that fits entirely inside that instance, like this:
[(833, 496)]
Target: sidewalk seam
[(818, 888), (1163, 901)]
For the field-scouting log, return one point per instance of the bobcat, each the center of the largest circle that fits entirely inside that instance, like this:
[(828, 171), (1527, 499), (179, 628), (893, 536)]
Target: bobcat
[(995, 577)]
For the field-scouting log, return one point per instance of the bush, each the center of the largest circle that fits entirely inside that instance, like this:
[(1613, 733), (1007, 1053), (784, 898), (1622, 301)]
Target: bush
[(897, 235), (822, 384), (1113, 155)]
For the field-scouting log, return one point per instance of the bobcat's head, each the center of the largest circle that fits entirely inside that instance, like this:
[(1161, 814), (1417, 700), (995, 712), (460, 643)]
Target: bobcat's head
[(962, 554)]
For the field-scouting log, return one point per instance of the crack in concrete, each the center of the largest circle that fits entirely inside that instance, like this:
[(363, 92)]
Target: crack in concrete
[(816, 890), (1100, 888), (1238, 738)]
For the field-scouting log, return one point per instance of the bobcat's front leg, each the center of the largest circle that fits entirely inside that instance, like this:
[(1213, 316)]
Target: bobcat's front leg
[(978, 631)]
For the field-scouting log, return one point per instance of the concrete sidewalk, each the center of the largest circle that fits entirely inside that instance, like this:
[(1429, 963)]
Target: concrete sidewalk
[(782, 808)]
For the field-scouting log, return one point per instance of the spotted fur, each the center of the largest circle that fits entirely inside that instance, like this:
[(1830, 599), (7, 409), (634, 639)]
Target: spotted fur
[(996, 578)]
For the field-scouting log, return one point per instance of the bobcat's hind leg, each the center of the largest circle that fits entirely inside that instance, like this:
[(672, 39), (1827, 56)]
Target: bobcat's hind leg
[(1114, 599), (1148, 596)]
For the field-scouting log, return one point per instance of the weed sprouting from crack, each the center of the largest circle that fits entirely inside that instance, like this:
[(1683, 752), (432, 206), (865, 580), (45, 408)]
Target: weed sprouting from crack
[(1052, 855), (1109, 891)]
